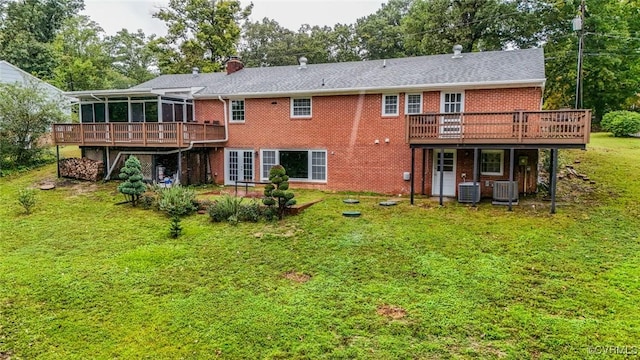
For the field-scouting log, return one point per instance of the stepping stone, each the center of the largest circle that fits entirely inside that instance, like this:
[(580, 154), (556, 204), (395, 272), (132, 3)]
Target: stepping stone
[(388, 203), (47, 186), (351, 201), (351, 213)]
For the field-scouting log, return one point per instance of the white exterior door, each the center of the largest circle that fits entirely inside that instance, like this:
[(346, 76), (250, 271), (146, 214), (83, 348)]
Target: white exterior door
[(238, 166), (449, 173)]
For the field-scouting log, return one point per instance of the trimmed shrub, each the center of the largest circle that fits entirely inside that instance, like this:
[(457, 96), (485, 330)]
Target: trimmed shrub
[(132, 186), (621, 123), (177, 201), (276, 194)]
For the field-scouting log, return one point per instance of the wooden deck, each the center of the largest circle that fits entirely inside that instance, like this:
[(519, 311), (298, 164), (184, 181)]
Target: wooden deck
[(557, 127), (136, 134)]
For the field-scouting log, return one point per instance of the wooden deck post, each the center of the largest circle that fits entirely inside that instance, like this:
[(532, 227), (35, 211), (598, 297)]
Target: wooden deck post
[(511, 166), (144, 133), (424, 166), (413, 168), (553, 178), (179, 180), (475, 175), (441, 168), (58, 160), (520, 126)]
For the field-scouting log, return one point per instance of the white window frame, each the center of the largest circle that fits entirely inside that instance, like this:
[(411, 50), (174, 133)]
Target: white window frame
[(310, 164), (406, 103), (292, 102), (244, 111), (490, 173), (450, 125), (384, 103), (263, 164), (443, 96)]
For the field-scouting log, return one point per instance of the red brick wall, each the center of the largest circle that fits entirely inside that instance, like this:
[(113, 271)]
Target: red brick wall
[(503, 99), (347, 127)]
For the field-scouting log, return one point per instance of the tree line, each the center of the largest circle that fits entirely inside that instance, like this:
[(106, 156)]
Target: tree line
[(50, 39)]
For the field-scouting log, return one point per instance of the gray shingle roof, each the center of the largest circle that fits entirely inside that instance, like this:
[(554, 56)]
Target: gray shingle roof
[(492, 67)]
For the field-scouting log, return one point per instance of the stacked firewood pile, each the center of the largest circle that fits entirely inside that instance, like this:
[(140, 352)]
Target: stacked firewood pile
[(83, 169)]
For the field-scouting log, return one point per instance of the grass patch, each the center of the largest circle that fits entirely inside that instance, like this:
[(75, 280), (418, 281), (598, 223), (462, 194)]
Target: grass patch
[(81, 277)]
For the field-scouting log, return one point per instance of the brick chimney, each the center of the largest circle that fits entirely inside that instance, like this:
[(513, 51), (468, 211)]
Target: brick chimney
[(234, 64)]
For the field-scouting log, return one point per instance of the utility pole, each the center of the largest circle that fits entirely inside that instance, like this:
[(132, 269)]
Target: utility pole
[(578, 25)]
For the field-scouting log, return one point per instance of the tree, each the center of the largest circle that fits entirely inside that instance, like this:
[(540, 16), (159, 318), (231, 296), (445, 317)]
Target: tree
[(27, 29), (277, 194), (84, 61), (314, 43), (611, 74), (201, 33), (434, 26), (621, 123), (26, 113), (266, 43), (132, 186), (381, 35), (132, 54), (345, 45)]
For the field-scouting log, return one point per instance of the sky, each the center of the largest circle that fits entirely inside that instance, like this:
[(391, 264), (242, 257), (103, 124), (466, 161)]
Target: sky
[(113, 15)]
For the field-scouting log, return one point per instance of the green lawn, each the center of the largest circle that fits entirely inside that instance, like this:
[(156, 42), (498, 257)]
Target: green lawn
[(84, 278)]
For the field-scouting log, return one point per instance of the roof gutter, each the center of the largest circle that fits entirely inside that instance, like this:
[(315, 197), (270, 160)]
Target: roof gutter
[(191, 144), (423, 87)]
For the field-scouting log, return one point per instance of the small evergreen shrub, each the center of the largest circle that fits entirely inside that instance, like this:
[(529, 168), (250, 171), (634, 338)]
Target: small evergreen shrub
[(132, 186), (27, 199), (276, 194), (175, 229), (621, 123), (177, 201)]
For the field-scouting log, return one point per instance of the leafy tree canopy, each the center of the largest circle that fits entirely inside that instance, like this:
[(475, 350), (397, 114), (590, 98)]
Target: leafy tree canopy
[(26, 113), (27, 29), (201, 33)]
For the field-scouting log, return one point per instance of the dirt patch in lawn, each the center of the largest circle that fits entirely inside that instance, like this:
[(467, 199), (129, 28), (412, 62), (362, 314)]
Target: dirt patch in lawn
[(5, 356), (297, 277), (391, 312), (76, 187)]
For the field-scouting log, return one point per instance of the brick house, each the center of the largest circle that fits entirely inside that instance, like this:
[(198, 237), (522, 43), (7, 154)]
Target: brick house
[(397, 126)]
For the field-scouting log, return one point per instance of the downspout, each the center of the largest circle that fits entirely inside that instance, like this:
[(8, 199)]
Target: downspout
[(191, 144)]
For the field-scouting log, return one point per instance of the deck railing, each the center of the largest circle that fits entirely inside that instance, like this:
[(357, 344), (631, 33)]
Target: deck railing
[(516, 127), (135, 134)]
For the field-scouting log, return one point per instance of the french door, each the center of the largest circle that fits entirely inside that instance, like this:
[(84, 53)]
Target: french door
[(238, 165)]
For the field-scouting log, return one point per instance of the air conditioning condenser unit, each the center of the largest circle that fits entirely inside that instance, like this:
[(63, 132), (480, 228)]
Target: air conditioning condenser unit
[(467, 191), (501, 192)]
